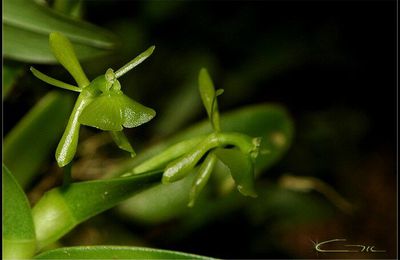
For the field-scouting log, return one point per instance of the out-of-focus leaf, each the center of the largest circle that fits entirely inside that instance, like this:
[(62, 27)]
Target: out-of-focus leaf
[(30, 142), (61, 209), (26, 27), (160, 202), (115, 252), (10, 75), (69, 7), (27, 46), (270, 122), (18, 230)]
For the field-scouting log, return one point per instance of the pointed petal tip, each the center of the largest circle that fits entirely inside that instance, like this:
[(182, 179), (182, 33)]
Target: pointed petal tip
[(247, 192)]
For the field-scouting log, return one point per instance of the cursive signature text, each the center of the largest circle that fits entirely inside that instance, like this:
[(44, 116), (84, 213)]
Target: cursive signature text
[(345, 248)]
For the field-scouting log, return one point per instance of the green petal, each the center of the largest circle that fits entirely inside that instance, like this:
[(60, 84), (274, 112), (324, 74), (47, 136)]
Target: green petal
[(134, 113), (241, 168), (104, 112), (111, 111)]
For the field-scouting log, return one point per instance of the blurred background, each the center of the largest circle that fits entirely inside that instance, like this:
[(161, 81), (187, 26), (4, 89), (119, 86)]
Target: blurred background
[(332, 64)]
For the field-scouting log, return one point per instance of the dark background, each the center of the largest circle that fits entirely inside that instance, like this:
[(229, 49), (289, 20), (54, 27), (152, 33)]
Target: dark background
[(331, 63)]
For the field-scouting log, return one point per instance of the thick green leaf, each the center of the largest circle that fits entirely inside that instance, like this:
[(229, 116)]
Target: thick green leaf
[(10, 74), (110, 112), (115, 252), (27, 25), (18, 230), (270, 122), (61, 209), (241, 168), (30, 142)]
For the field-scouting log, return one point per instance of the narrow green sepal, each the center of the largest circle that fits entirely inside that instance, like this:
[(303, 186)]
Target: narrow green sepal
[(122, 142), (202, 177), (53, 81), (65, 54), (136, 61)]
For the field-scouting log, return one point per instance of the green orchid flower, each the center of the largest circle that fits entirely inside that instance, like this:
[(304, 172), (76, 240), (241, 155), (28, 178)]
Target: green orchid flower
[(236, 150), (101, 102)]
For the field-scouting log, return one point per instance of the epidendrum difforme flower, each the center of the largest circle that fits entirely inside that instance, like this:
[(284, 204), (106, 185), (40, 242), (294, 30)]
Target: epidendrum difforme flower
[(101, 102), (235, 150)]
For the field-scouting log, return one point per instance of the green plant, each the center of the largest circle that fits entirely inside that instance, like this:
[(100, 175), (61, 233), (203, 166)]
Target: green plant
[(101, 103), (236, 147)]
